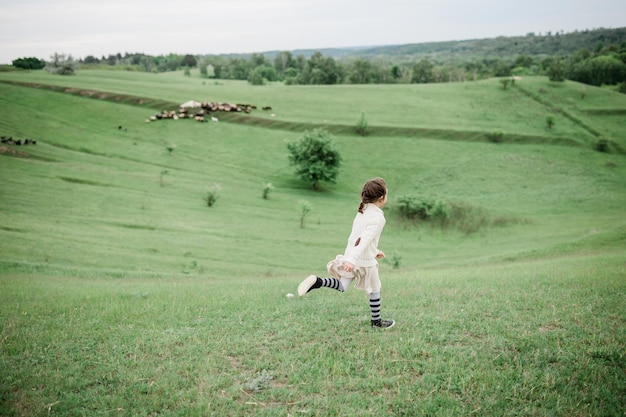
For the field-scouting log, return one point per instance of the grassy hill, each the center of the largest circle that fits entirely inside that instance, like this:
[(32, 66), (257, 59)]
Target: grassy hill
[(119, 282), (82, 151)]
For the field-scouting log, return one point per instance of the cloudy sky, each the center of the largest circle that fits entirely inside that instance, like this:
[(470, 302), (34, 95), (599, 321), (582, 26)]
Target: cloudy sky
[(39, 28)]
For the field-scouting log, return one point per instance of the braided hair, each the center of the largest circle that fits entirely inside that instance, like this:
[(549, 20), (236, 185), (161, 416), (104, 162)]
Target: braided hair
[(373, 190)]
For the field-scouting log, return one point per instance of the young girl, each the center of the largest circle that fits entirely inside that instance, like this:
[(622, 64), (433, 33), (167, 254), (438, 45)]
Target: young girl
[(358, 263)]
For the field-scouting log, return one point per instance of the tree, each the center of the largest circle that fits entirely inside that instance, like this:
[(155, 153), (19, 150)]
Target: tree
[(61, 64), (525, 61), (396, 72), (556, 72), (316, 157), (502, 69), (261, 74), (204, 72), (423, 72), (90, 59), (321, 70), (189, 61), (361, 71), (29, 63), (604, 69), (283, 61)]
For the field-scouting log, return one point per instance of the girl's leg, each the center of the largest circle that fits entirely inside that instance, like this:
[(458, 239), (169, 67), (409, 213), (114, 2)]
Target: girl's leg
[(312, 282), (375, 309), (375, 306)]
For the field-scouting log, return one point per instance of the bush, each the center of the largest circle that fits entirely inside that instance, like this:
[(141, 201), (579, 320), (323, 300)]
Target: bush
[(29, 63), (361, 126), (61, 64), (267, 187), (261, 381), (556, 72), (423, 208), (497, 136), (212, 194), (465, 218), (305, 210), (395, 260), (602, 145)]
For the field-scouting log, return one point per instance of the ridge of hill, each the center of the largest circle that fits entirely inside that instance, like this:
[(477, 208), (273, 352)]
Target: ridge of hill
[(501, 47)]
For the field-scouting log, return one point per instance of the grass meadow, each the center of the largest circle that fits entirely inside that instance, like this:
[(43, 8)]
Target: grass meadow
[(123, 293)]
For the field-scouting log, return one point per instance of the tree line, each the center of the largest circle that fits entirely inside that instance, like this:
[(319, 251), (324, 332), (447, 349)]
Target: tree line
[(591, 57)]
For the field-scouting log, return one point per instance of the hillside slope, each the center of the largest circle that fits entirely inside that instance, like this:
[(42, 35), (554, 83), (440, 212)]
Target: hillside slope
[(105, 193), (582, 114)]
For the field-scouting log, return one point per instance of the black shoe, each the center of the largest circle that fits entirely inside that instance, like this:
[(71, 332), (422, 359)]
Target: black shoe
[(383, 324), (311, 282)]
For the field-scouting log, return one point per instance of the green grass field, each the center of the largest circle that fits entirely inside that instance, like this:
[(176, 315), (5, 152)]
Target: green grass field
[(123, 293)]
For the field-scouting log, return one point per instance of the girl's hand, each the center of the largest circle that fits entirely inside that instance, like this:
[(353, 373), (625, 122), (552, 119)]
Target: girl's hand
[(380, 255), (348, 266)]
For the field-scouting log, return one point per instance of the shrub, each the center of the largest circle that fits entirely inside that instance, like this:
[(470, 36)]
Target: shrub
[(305, 210), (602, 145), (549, 121), (556, 72), (29, 63), (361, 126), (61, 64), (497, 136), (266, 190), (395, 260), (212, 194), (260, 381), (465, 218), (423, 208)]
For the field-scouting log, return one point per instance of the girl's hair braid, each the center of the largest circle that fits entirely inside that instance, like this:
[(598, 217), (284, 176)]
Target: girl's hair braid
[(372, 191)]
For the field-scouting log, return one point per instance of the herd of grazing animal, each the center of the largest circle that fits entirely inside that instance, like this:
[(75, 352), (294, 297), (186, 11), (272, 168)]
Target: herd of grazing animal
[(18, 142), (200, 111), (197, 112)]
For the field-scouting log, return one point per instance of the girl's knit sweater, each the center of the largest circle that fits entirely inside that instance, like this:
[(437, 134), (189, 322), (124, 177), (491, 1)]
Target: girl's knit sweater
[(362, 245)]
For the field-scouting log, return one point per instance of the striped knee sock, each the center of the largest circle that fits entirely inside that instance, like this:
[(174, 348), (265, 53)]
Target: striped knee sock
[(332, 283), (375, 305)]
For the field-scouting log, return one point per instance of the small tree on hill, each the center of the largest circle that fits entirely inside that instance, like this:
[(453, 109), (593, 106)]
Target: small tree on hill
[(316, 157), (556, 72), (61, 64)]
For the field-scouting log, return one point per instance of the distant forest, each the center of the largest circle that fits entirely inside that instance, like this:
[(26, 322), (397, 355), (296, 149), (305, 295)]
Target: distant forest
[(596, 57)]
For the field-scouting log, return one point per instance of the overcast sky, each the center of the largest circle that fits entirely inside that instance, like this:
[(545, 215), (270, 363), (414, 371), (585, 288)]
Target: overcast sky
[(39, 28)]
